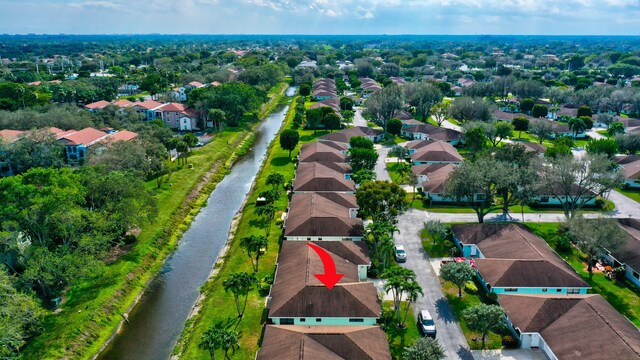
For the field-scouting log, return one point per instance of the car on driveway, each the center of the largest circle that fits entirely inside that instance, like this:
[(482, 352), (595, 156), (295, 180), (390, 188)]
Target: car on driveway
[(401, 254), (426, 324)]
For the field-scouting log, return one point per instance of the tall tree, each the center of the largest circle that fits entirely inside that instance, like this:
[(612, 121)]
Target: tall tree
[(289, 139), (596, 235), (360, 158), (520, 124), (422, 96), (254, 245), (459, 273), (484, 318), (542, 130), (397, 280), (384, 104), (239, 284), (381, 200), (439, 112), (437, 229), (576, 181)]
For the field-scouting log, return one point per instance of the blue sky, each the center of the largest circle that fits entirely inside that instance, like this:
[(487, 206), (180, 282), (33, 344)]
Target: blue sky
[(554, 17)]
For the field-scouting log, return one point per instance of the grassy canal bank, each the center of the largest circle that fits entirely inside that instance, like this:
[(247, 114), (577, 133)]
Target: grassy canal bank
[(94, 307), (216, 305)]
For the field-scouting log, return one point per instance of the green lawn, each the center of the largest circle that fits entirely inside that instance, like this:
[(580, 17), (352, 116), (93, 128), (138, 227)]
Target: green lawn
[(603, 132), (620, 294), (633, 194), (94, 305), (218, 305), (400, 338), (434, 249), (459, 304), (392, 169)]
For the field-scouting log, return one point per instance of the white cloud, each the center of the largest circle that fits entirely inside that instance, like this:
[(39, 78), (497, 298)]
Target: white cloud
[(96, 5)]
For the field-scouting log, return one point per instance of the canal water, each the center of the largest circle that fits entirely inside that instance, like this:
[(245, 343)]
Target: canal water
[(158, 319)]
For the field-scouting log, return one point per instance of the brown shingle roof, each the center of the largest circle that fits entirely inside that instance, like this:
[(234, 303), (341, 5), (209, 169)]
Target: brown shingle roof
[(437, 175), (532, 147), (322, 214), (318, 177), (434, 132), (324, 343), (298, 293), (436, 150), (527, 273), (576, 326), (343, 136), (629, 253), (318, 151)]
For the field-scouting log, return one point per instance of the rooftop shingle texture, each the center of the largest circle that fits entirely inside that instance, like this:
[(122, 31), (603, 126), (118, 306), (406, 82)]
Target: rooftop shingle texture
[(437, 175), (343, 136), (324, 343), (322, 214), (318, 151), (527, 273), (298, 293), (435, 132), (629, 253), (437, 151), (317, 177), (581, 327)]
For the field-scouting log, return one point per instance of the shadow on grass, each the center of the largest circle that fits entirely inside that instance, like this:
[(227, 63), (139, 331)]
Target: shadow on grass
[(280, 161), (397, 340)]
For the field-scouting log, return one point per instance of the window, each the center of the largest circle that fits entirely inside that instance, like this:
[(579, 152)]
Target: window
[(511, 290), (480, 197), (573, 291), (319, 239), (544, 289), (303, 319), (356, 320), (286, 321), (544, 199), (318, 320), (636, 275), (558, 290)]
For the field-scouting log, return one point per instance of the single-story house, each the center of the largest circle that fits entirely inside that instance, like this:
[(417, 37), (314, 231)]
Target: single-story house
[(560, 129), (323, 151), (435, 152), (629, 254), (298, 298), (428, 131), (571, 327), (333, 103), (432, 179), (398, 80), (557, 195), (630, 165), (509, 258), (323, 216), (317, 177), (410, 122), (529, 276), (324, 342), (532, 147), (344, 135)]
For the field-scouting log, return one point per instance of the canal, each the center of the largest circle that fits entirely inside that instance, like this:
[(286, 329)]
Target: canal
[(158, 319)]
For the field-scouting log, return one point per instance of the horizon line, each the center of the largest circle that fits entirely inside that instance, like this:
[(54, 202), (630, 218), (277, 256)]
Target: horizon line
[(301, 34)]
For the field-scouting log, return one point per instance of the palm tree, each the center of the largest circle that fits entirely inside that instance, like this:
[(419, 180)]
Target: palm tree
[(413, 291), (253, 244), (403, 169), (397, 279), (229, 340), (239, 284), (577, 125), (267, 212), (211, 339)]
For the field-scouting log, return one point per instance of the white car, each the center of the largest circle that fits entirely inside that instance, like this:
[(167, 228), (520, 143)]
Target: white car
[(401, 255), (427, 326)]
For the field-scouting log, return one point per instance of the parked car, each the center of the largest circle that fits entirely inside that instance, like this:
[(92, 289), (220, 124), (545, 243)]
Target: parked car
[(401, 255), (426, 324)]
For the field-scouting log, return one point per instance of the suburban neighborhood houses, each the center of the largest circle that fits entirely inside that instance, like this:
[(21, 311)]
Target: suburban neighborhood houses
[(320, 197)]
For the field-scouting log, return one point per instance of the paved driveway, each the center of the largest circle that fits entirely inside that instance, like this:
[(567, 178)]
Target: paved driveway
[(381, 166), (449, 332), (358, 120)]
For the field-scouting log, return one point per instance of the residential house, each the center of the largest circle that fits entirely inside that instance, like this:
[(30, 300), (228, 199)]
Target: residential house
[(344, 135), (560, 129), (398, 80), (434, 152), (317, 177), (628, 256), (324, 89), (150, 108), (323, 216), (179, 116), (324, 342), (428, 131), (509, 258), (179, 93), (78, 143), (410, 122), (533, 147), (582, 327), (333, 103), (432, 179), (298, 298), (630, 166), (323, 151), (98, 105), (557, 196)]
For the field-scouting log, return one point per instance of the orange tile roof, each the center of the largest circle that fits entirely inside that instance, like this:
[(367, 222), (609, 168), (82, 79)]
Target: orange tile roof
[(122, 135), (98, 105), (124, 103), (87, 137), (148, 104), (10, 136)]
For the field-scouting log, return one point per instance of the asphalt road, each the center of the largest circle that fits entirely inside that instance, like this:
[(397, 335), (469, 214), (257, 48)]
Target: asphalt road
[(449, 333)]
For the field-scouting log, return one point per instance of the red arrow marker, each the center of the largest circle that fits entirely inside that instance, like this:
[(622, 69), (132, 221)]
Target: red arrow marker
[(330, 276)]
